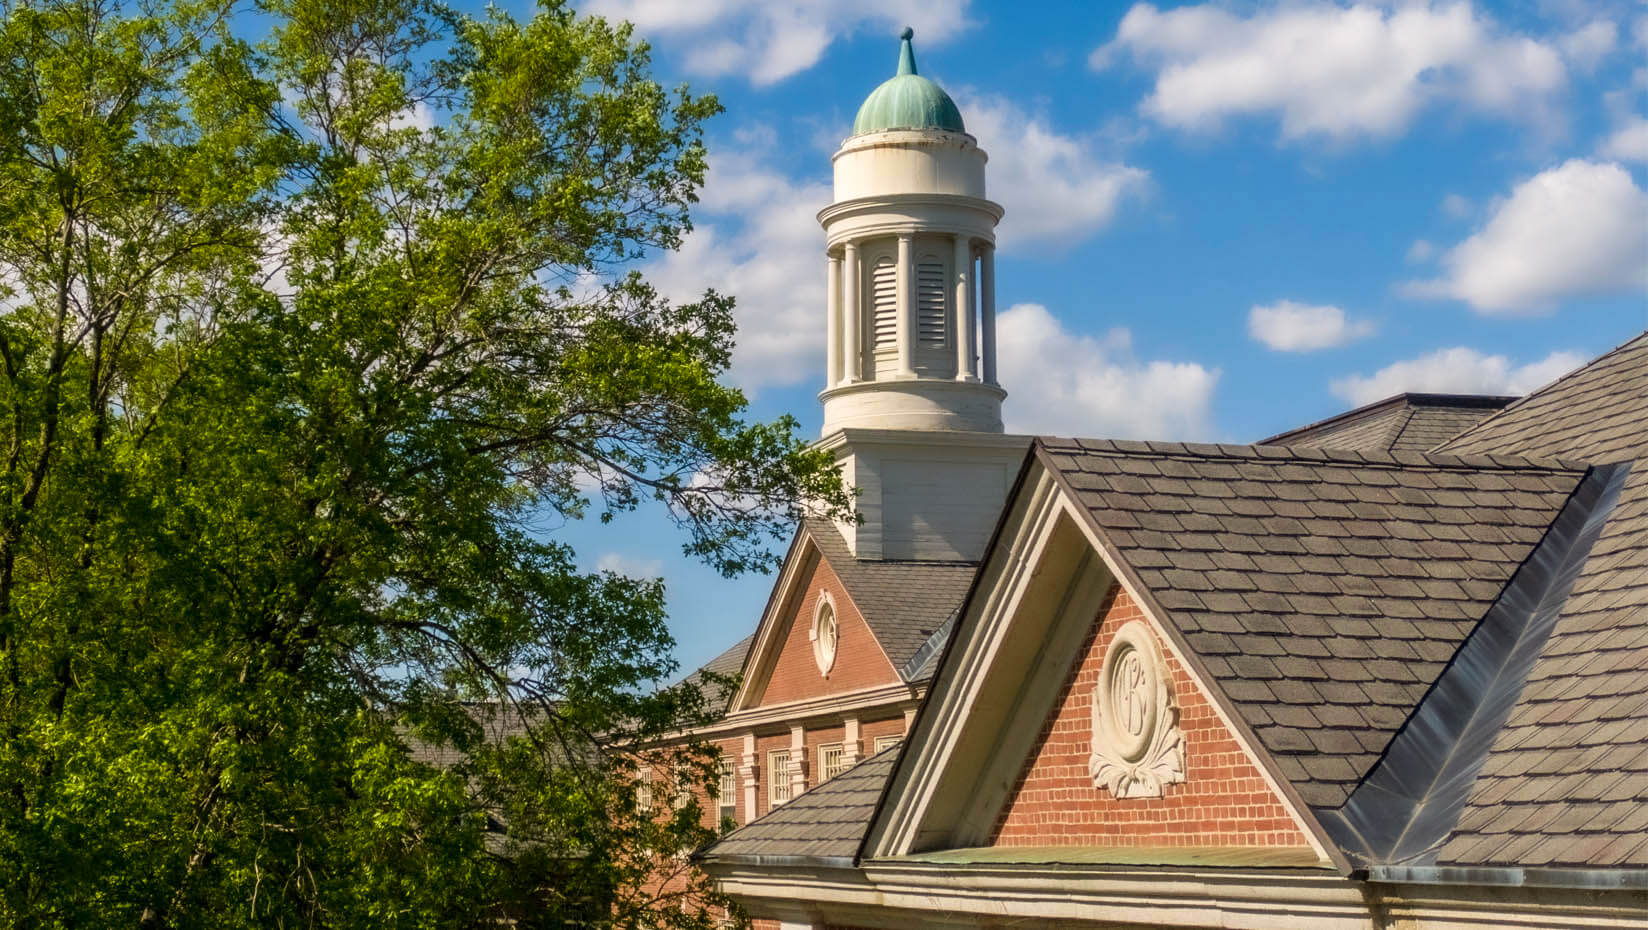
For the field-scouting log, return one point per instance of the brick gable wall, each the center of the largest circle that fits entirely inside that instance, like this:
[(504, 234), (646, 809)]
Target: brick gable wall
[(859, 662), (1224, 801)]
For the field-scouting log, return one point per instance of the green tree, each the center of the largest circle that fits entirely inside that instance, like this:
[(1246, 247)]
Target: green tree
[(309, 338)]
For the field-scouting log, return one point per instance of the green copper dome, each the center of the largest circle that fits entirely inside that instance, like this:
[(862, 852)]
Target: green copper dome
[(907, 100)]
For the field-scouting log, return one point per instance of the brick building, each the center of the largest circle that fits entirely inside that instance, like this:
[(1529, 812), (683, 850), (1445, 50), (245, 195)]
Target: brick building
[(1386, 670)]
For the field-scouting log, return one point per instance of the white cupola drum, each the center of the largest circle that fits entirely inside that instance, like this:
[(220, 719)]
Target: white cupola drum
[(911, 289)]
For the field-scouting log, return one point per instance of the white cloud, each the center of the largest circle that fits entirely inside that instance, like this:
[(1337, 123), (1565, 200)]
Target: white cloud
[(1457, 206), (1058, 188), (1333, 71), (1073, 384), (1577, 230), (769, 41), (1456, 371), (1589, 44), (1629, 142), (1286, 326), (761, 244), (1421, 251), (629, 566)]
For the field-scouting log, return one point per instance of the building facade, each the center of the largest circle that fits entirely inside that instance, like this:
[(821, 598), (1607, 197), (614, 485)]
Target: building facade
[(1386, 670)]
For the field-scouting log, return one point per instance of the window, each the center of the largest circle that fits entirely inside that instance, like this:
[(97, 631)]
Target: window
[(824, 634), (778, 777), (930, 316), (728, 792), (683, 788), (887, 742), (832, 761), (884, 302), (643, 797)]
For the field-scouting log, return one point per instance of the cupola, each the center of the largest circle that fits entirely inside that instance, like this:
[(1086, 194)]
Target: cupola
[(911, 245)]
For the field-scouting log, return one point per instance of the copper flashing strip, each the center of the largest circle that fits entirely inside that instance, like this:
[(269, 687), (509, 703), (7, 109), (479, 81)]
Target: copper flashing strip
[(1411, 800)]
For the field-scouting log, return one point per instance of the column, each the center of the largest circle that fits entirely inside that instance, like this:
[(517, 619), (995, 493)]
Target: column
[(965, 359), (852, 343), (987, 316), (750, 772), (906, 306), (832, 325), (798, 761), (852, 747)]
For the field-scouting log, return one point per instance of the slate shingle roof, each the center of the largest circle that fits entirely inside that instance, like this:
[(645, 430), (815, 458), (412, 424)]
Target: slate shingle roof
[(1403, 423), (726, 665), (904, 602), (1596, 413), (826, 822), (1566, 781), (1323, 590)]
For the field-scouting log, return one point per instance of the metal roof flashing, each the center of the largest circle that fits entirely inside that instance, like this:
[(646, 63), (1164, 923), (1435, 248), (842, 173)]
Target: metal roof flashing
[(1411, 799)]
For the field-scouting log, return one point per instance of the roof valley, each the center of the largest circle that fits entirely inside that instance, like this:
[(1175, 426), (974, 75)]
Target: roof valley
[(1411, 799)]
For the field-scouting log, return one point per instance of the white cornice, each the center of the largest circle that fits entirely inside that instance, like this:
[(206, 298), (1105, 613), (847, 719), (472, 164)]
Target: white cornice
[(894, 698), (858, 205), (932, 895), (924, 894), (861, 436)]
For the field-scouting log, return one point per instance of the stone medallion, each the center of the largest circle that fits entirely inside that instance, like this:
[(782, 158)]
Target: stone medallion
[(1138, 749)]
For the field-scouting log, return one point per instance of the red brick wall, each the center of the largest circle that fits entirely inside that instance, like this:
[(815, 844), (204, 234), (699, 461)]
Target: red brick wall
[(1223, 801), (859, 661), (892, 726)]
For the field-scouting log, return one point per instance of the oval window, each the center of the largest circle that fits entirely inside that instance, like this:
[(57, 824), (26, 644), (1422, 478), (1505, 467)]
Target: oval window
[(825, 636)]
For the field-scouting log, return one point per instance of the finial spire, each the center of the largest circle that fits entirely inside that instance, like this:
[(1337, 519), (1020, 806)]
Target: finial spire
[(907, 53)]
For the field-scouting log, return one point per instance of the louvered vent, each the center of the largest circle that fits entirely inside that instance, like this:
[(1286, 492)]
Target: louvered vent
[(930, 303), (884, 298)]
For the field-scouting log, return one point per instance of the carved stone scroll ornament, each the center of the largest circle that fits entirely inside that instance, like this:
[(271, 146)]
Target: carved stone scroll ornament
[(1138, 749)]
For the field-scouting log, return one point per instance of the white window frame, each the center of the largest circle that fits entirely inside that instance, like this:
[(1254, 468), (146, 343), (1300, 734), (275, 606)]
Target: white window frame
[(778, 777), (884, 743), (726, 792), (826, 770), (643, 796)]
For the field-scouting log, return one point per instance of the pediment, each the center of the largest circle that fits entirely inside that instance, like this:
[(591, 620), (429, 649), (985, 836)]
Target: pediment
[(1065, 717)]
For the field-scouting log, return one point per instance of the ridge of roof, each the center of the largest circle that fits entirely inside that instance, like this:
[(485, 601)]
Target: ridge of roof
[(1411, 799), (1307, 455), (1605, 410), (1408, 399)]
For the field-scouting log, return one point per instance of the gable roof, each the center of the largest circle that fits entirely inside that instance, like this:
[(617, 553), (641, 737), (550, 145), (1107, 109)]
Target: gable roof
[(904, 601), (1402, 423), (1322, 590)]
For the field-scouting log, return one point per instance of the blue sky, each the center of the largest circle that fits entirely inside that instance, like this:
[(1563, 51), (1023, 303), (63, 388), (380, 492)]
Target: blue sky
[(1223, 220)]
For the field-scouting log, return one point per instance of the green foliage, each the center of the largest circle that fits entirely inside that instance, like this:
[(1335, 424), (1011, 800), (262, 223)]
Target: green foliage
[(305, 343)]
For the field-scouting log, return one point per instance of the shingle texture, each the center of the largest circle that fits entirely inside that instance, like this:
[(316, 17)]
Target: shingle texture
[(1404, 423), (904, 602), (1598, 413), (827, 822), (726, 665), (1566, 782), (1323, 590)]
